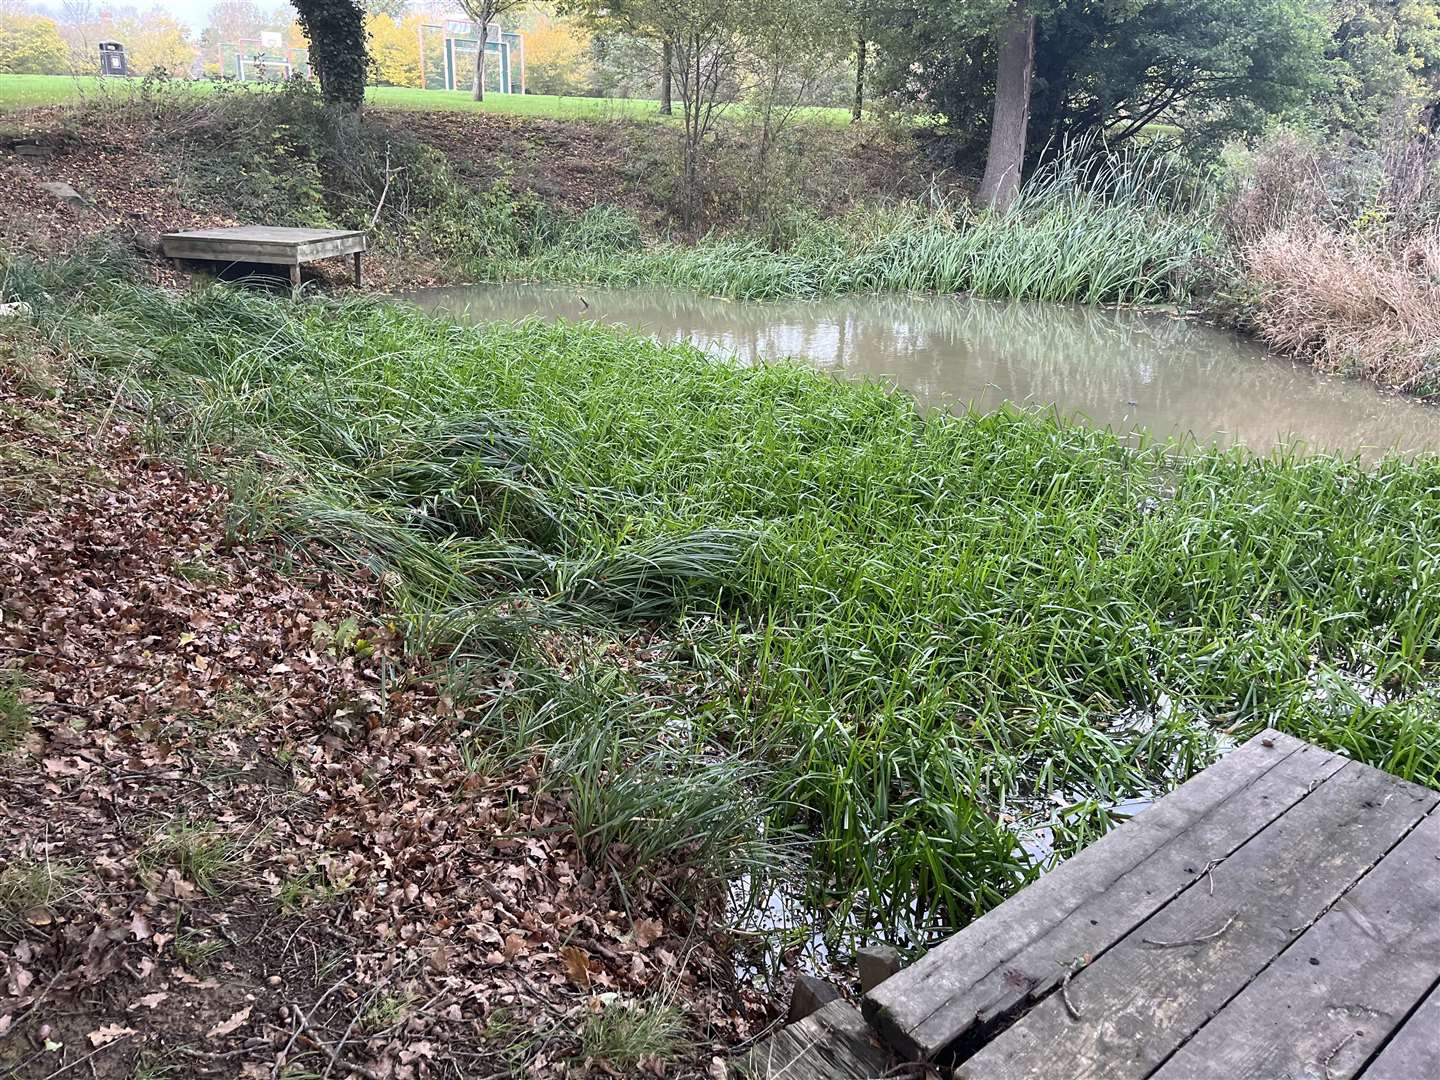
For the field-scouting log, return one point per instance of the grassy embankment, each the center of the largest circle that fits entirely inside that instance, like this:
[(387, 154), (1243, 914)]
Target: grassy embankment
[(728, 595)]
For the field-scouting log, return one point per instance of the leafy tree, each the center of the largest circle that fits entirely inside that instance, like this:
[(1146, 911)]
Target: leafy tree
[(394, 49), (336, 30), (1068, 69), (702, 39), (155, 41), (483, 14), (788, 50), (1380, 56), (557, 56), (1215, 68), (31, 45)]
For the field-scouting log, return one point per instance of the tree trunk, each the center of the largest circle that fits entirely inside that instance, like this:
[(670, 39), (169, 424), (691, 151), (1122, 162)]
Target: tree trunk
[(1011, 118), (860, 49), (667, 62), (479, 94), (336, 29)]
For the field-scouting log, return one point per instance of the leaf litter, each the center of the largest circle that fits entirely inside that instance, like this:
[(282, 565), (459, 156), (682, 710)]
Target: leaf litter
[(236, 849)]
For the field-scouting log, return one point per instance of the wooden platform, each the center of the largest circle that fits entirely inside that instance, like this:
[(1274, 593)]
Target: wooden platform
[(265, 244), (1278, 916)]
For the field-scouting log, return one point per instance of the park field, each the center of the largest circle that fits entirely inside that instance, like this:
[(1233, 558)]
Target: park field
[(28, 91)]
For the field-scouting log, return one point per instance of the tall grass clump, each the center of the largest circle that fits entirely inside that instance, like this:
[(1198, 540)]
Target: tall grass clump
[(1340, 250), (1087, 229), (920, 640)]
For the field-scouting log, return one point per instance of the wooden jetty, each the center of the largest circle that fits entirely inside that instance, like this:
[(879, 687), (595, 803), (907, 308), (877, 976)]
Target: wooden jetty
[(1278, 916), (265, 244)]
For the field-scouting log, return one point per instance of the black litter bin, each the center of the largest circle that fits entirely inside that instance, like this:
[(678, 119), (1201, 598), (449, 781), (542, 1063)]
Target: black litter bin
[(112, 59)]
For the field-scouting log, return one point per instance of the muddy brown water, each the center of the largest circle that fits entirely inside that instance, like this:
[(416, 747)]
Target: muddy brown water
[(1126, 370)]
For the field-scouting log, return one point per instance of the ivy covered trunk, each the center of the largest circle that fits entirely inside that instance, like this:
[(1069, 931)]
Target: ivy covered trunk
[(336, 29)]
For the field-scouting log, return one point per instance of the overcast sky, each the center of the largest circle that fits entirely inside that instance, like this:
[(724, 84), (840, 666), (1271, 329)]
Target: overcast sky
[(195, 13)]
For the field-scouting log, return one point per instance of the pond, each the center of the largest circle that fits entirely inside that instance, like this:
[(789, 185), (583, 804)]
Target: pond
[(1126, 370)]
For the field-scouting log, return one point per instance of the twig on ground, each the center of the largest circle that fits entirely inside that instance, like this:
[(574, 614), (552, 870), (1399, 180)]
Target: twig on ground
[(81, 1061), (1334, 1053), (1070, 1006), (1192, 941)]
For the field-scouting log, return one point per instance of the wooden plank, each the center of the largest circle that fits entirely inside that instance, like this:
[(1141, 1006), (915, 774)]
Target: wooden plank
[(1103, 919), (264, 233), (275, 256), (262, 244), (1134, 1006), (1414, 1052), (926, 1007), (833, 1043), (328, 249), (1335, 995)]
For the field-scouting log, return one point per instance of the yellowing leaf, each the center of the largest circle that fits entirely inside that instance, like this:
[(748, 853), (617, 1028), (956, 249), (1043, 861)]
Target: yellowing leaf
[(109, 1033), (225, 1027)]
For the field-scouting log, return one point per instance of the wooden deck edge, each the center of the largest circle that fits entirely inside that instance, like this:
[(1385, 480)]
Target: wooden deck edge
[(833, 1043), (1056, 894)]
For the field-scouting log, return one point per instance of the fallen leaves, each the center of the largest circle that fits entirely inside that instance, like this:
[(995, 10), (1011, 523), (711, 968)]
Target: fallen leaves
[(110, 1033), (179, 681), (231, 1024)]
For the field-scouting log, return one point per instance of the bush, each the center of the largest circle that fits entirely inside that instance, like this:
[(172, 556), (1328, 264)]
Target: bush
[(1351, 305), (1341, 249)]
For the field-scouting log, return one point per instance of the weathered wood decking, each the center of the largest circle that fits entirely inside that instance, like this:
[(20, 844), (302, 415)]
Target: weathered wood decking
[(1276, 917), (265, 244)]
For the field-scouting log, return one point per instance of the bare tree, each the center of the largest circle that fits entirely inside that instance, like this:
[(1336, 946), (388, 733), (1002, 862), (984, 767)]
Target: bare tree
[(667, 64), (483, 14), (787, 50)]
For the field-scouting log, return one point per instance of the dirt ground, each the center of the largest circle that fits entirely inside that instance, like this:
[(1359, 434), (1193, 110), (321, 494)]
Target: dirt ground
[(127, 173), (240, 836)]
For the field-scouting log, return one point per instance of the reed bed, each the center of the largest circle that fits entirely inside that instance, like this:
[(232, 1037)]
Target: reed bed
[(918, 640), (1093, 230)]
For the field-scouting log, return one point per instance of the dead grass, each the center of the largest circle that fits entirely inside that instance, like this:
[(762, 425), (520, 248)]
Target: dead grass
[(1349, 305), (1341, 245)]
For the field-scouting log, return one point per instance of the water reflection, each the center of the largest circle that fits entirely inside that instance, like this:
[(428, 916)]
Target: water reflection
[(1123, 369)]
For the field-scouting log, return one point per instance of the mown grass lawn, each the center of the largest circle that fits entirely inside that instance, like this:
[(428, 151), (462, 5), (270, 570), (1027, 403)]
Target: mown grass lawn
[(27, 91)]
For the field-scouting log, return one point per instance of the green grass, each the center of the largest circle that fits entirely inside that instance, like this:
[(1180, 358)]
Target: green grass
[(911, 636), (31, 889), (1129, 230), (196, 850), (624, 1036), (14, 713), (27, 91)]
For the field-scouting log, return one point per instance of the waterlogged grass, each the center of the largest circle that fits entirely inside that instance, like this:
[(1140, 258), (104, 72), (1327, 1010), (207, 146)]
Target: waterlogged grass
[(908, 637), (1124, 229)]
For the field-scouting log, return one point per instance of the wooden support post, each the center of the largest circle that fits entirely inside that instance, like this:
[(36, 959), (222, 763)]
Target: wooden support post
[(357, 268), (294, 277)]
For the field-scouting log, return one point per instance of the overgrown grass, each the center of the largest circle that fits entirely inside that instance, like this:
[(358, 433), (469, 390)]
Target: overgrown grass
[(912, 636), (1097, 230)]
